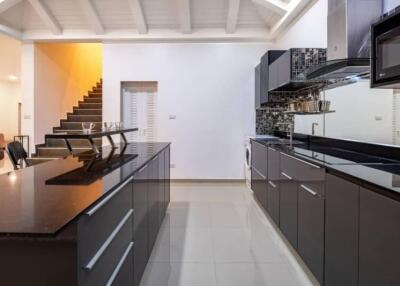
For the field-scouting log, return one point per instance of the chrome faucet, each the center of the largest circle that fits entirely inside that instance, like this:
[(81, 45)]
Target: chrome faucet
[(291, 131), (313, 127)]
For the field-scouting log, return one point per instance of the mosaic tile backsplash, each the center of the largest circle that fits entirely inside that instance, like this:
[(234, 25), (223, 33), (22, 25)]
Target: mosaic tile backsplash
[(274, 117)]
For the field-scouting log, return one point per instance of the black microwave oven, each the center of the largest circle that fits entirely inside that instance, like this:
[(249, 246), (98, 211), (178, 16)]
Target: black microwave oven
[(385, 51)]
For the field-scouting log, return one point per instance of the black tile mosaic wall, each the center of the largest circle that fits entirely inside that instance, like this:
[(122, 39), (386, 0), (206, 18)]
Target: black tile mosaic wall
[(273, 116), (305, 58)]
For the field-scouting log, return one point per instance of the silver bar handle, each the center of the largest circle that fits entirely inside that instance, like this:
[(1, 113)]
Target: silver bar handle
[(119, 265), (93, 210), (302, 161), (272, 184), (259, 173), (154, 158), (108, 241), (286, 176), (315, 194), (144, 167), (272, 149)]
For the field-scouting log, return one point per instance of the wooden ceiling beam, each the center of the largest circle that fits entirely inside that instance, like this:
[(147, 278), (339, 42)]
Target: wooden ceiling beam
[(45, 14), (233, 14)]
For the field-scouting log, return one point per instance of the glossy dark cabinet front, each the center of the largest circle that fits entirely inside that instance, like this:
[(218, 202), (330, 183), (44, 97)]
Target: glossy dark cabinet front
[(151, 197), (273, 191), (109, 243), (259, 172), (288, 200), (341, 232), (379, 240)]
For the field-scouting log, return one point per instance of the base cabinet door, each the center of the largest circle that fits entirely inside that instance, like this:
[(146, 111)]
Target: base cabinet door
[(379, 240), (273, 200), (167, 177), (140, 223), (311, 230), (341, 232), (152, 203), (259, 187), (288, 208)]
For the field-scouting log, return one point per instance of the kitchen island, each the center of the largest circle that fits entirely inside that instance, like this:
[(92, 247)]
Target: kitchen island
[(64, 224)]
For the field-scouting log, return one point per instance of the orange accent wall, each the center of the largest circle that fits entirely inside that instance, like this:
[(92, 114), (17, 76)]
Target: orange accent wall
[(64, 73)]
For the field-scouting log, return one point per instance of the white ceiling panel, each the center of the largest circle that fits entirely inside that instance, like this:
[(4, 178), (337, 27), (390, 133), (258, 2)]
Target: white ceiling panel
[(160, 14), (68, 13), (209, 13), (115, 14), (249, 15)]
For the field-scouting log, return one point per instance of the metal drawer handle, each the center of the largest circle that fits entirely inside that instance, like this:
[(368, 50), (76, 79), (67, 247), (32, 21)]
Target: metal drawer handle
[(119, 265), (309, 190), (259, 173), (93, 210), (302, 161), (286, 176), (272, 184), (272, 149), (154, 158), (108, 241), (144, 167)]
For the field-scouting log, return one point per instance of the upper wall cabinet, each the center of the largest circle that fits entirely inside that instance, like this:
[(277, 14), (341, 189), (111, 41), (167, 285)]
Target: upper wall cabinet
[(262, 77), (288, 72), (257, 89)]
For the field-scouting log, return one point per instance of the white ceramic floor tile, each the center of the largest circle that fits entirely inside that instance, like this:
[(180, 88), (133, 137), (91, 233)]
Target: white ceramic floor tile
[(255, 274), (189, 215), (191, 245), (179, 274), (217, 235)]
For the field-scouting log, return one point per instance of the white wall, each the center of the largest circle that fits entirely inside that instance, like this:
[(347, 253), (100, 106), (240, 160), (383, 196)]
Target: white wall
[(361, 113), (10, 96), (210, 89), (310, 31)]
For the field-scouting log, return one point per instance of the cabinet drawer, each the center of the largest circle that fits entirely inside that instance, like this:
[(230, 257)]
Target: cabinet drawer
[(123, 272), (259, 158), (273, 164), (96, 225), (306, 174), (99, 269)]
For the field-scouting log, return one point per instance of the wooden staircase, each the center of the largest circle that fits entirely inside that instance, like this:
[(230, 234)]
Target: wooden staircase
[(88, 110)]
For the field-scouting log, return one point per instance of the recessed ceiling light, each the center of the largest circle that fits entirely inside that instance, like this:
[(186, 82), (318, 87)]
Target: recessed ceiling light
[(12, 77)]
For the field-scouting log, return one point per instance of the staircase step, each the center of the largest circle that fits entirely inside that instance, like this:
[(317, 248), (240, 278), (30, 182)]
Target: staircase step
[(85, 111), (97, 89), (75, 143), (50, 152), (84, 117), (95, 95), (88, 99), (77, 125), (90, 105)]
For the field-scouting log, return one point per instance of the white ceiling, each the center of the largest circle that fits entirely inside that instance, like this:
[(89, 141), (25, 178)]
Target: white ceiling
[(148, 19)]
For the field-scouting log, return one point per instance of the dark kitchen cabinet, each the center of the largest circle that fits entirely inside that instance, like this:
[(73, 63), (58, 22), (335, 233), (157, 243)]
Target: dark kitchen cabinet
[(288, 201), (257, 88), (140, 223), (379, 240), (151, 196), (311, 211), (262, 76), (273, 185), (341, 232), (259, 187), (287, 73), (259, 172)]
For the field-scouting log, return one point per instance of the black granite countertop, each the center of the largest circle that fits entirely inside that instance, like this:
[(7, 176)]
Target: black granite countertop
[(42, 199), (381, 174)]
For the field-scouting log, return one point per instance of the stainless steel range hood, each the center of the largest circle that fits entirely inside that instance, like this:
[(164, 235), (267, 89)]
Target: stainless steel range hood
[(348, 52)]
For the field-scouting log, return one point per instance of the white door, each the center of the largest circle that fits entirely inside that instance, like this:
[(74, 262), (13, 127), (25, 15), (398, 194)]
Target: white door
[(139, 111)]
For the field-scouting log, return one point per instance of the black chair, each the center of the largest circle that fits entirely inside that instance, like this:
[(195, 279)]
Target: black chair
[(17, 155)]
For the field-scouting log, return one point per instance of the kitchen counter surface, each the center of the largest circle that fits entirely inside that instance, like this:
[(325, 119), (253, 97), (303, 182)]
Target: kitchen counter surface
[(366, 170), (43, 199)]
